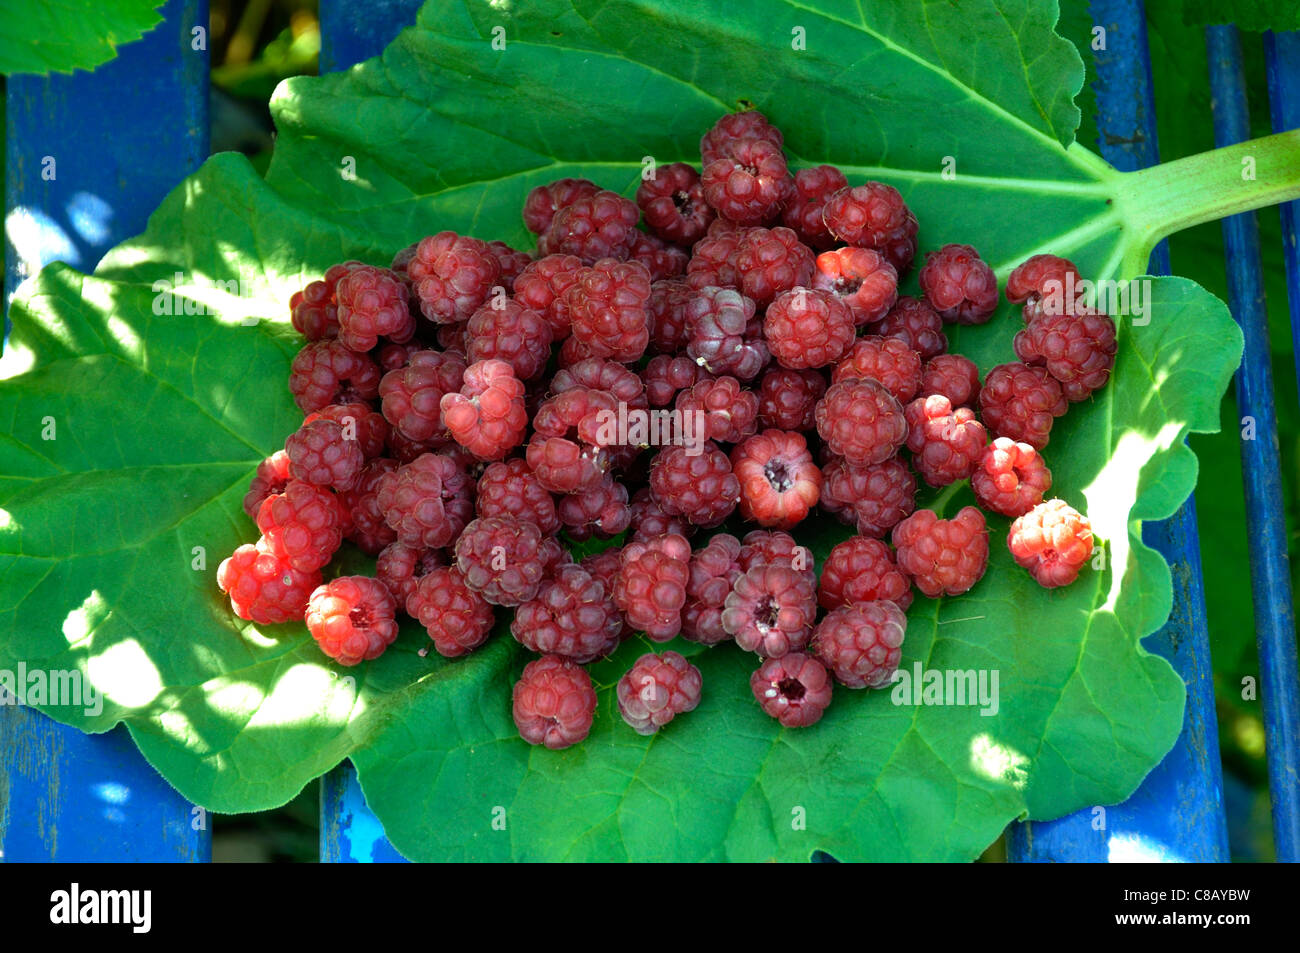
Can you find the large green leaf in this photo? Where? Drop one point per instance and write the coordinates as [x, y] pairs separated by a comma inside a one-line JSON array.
[[161, 420], [59, 36]]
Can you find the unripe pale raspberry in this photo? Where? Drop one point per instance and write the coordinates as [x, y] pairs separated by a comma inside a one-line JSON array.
[[1010, 478], [351, 619], [861, 644], [779, 483], [862, 569], [1053, 541], [456, 617], [860, 277], [943, 557], [263, 587], [656, 689], [553, 702], [861, 421], [771, 610], [794, 689]]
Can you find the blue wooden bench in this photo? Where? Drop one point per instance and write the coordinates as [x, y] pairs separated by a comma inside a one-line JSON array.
[[69, 796]]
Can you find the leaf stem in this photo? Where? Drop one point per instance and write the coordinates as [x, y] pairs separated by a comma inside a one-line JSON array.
[[1172, 196]]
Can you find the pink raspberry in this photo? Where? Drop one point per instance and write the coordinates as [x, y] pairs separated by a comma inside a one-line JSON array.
[[871, 498], [487, 416], [747, 184], [714, 569], [730, 414], [860, 277], [1010, 478], [263, 587], [501, 559], [609, 377], [1077, 348], [572, 615], [672, 201], [862, 569], [946, 443], [608, 308], [326, 372], [943, 557], [510, 333], [650, 586], [452, 276], [303, 525], [762, 547], [456, 617], [553, 703], [1040, 276], [656, 689], [360, 423], [598, 226], [427, 501], [770, 262], [390, 356], [734, 128], [794, 689], [600, 510], [779, 483], [1021, 402], [803, 213], [713, 261], [722, 339], [649, 518], [372, 303], [917, 325], [700, 487], [401, 567], [271, 478], [314, 309], [862, 644], [545, 200], [886, 360], [953, 376], [771, 610], [1053, 541], [351, 619], [412, 395], [510, 489], [959, 285], [320, 454], [541, 286], [787, 399], [564, 452], [874, 216], [861, 421], [805, 328], [369, 530], [665, 375]]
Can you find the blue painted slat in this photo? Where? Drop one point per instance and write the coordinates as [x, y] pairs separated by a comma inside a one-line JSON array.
[[1282, 51], [120, 138], [349, 831], [1270, 573]]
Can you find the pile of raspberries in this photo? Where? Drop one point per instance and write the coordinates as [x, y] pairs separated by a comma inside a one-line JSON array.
[[454, 404]]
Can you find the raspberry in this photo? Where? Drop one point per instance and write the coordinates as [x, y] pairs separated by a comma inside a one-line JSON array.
[[665, 375], [762, 547], [510, 489], [886, 360], [599, 510], [564, 453], [861, 421], [607, 376], [713, 261], [860, 277], [871, 498], [314, 310], [770, 261], [661, 260], [427, 501], [456, 617], [779, 483], [794, 689], [748, 183], [672, 201], [943, 557], [326, 372], [1020, 402], [719, 321], [1053, 541], [730, 414], [452, 337], [271, 478], [946, 444], [541, 286], [501, 559], [511, 260], [412, 395], [714, 569], [608, 308], [598, 226], [360, 423], [403, 449], [874, 216], [805, 328], [862, 569], [452, 276], [303, 525], [545, 200], [700, 487], [391, 356], [373, 303], [351, 619], [649, 519], [734, 128], [1036, 277], [487, 416], [803, 213], [1077, 348], [787, 399], [656, 689], [510, 333], [320, 454], [553, 703], [771, 610], [959, 285], [263, 587], [666, 315], [650, 586], [401, 567], [572, 616], [861, 644], [369, 530], [1010, 478], [953, 376], [917, 325]]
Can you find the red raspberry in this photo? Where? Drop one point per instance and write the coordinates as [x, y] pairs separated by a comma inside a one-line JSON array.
[[401, 567], [263, 587], [713, 261], [360, 423], [1037, 276], [351, 619], [403, 449], [326, 372], [666, 315], [665, 375], [510, 333], [943, 557], [787, 399], [719, 322], [608, 308], [314, 310], [553, 703], [599, 510], [511, 260], [672, 201], [452, 276], [771, 610], [607, 376], [487, 416], [1010, 478], [545, 200], [650, 586], [604, 565], [541, 286], [656, 689], [572, 616], [917, 325], [509, 489], [501, 559], [860, 277], [699, 486], [871, 498], [320, 454], [564, 453], [412, 395], [452, 337], [391, 356], [1053, 541], [875, 216], [812, 187], [779, 483], [730, 414], [1077, 348], [456, 617], [861, 421], [733, 128], [271, 478], [946, 444], [714, 569], [959, 285], [1020, 402], [369, 530], [794, 689], [427, 501], [806, 328], [770, 261], [373, 303], [747, 184], [649, 518], [762, 547], [953, 376], [598, 226], [862, 644], [303, 525], [862, 569], [661, 260], [886, 360]]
